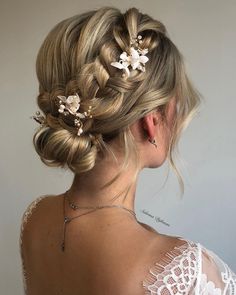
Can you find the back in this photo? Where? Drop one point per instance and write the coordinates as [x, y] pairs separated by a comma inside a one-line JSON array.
[[98, 259], [116, 259]]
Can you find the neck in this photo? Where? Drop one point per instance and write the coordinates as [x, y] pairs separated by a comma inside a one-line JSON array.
[[87, 189]]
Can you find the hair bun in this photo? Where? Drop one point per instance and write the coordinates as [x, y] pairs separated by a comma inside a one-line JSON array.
[[76, 58], [62, 148]]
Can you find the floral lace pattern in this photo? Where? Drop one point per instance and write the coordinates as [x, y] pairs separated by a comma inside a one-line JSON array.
[[208, 287], [229, 278], [224, 276], [175, 273], [190, 269]]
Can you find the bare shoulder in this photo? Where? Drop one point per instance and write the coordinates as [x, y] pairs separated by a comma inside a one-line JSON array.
[[36, 220], [163, 240], [148, 227], [34, 210], [168, 243], [31, 208]]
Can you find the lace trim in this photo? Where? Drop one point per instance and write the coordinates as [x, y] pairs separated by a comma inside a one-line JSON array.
[[175, 273], [24, 219], [208, 287], [228, 277]]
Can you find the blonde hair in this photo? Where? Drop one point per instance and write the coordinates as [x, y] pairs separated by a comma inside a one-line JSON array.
[[76, 57]]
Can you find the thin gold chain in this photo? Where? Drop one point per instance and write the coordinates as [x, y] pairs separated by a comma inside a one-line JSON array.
[[76, 207], [67, 219]]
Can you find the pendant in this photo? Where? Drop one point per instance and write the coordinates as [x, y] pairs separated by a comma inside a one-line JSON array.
[[66, 220], [74, 207]]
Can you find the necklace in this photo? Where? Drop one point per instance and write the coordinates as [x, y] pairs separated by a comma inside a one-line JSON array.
[[67, 219]]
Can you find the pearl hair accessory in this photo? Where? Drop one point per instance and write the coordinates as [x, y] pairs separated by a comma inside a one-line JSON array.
[[38, 117], [136, 59], [70, 105]]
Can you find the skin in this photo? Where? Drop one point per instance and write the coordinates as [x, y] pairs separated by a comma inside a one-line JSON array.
[[85, 190], [107, 251]]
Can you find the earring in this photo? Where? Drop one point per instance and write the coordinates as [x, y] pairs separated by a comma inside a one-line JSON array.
[[153, 141]]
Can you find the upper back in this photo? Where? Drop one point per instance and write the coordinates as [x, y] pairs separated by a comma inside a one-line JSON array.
[[100, 260]]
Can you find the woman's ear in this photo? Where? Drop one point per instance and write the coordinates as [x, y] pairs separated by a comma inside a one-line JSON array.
[[149, 123]]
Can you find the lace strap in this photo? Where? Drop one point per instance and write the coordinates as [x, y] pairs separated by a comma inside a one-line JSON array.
[[216, 275], [176, 272], [198, 280]]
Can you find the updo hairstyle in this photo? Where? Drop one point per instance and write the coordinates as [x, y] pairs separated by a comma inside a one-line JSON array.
[[76, 57]]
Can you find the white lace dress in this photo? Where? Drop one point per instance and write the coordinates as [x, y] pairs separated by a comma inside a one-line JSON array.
[[190, 269], [187, 269]]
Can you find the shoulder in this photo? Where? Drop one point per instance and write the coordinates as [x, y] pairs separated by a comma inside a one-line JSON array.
[[31, 218], [24, 237], [33, 212], [148, 227], [34, 222], [30, 208]]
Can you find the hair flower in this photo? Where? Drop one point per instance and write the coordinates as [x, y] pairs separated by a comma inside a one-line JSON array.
[[136, 59], [70, 105]]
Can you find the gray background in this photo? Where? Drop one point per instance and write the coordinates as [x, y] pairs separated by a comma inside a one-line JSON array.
[[205, 33]]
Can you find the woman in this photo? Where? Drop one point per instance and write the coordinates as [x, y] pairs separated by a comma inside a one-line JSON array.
[[115, 97]]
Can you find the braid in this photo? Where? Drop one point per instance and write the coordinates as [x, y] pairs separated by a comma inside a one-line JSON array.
[[76, 57], [98, 84]]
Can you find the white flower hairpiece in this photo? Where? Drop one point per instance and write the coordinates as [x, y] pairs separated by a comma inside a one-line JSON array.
[[136, 59], [70, 105]]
